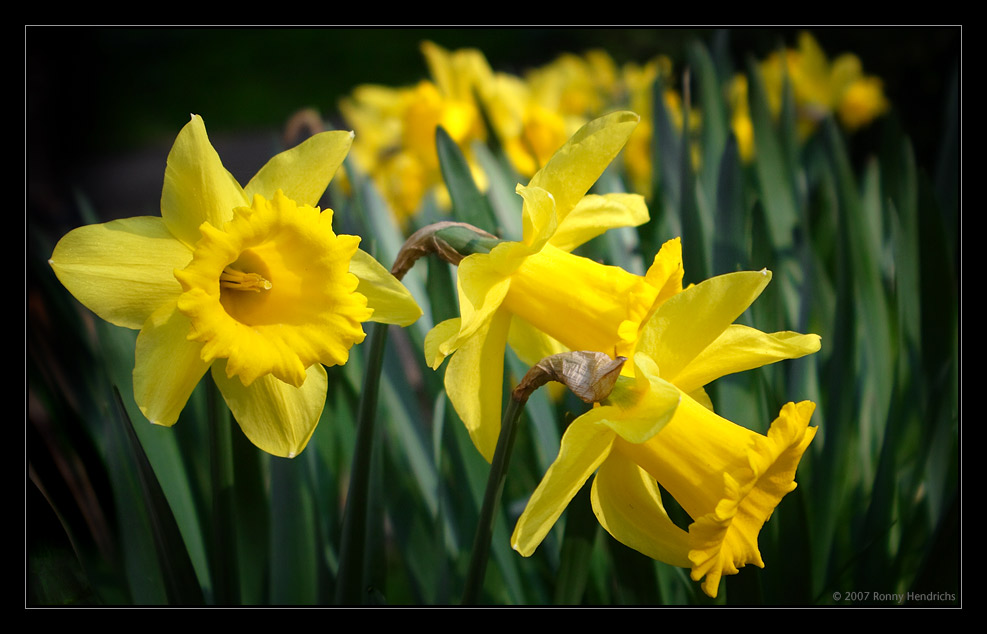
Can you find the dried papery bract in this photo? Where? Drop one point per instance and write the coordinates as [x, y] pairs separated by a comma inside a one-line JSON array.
[[589, 375]]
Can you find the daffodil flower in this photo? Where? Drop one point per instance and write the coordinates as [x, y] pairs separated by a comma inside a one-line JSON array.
[[396, 126], [821, 87], [248, 282], [659, 428], [537, 293]]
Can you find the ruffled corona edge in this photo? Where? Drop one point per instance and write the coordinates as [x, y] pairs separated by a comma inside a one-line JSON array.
[[725, 540]]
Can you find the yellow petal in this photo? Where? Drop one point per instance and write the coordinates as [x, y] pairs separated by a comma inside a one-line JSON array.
[[304, 171], [197, 188], [475, 382], [437, 338], [577, 165], [389, 299], [483, 280], [653, 409], [628, 505], [168, 366], [666, 271], [538, 219], [691, 320], [742, 348], [585, 445], [121, 270], [582, 304], [594, 215], [277, 417], [726, 477]]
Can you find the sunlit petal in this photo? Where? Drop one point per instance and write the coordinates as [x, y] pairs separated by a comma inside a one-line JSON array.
[[277, 417], [594, 215], [585, 445], [474, 382], [304, 171], [691, 320], [197, 188], [628, 505], [168, 366], [742, 348], [386, 296], [577, 165], [122, 270]]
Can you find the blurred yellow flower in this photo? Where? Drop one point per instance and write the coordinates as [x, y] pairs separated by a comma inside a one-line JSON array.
[[532, 117], [395, 127], [251, 283], [862, 101], [659, 429], [740, 117], [821, 87]]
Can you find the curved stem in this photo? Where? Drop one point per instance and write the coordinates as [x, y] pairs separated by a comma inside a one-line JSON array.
[[491, 498]]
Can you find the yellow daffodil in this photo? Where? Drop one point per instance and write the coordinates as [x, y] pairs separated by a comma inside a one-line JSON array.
[[821, 87], [396, 127], [540, 296], [534, 116], [659, 428], [250, 282]]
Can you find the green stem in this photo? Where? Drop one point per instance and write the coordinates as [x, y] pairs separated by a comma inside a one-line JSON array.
[[491, 499], [224, 560], [349, 580]]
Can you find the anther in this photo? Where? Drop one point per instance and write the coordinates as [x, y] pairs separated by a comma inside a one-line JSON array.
[[240, 281]]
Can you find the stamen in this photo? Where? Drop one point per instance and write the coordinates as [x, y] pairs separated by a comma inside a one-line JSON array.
[[240, 281]]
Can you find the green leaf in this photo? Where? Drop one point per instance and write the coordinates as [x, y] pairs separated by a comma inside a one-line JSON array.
[[468, 203], [775, 180], [294, 550]]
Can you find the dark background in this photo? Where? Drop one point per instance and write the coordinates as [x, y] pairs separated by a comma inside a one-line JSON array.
[[103, 105]]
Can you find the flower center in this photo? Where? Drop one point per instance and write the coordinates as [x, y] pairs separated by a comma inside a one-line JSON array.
[[271, 291], [240, 281]]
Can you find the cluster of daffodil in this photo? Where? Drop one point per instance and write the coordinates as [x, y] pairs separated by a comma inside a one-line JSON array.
[[538, 297], [531, 116], [253, 284], [819, 88], [611, 257]]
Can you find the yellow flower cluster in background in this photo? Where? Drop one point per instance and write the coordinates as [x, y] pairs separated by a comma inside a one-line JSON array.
[[819, 88], [531, 116]]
